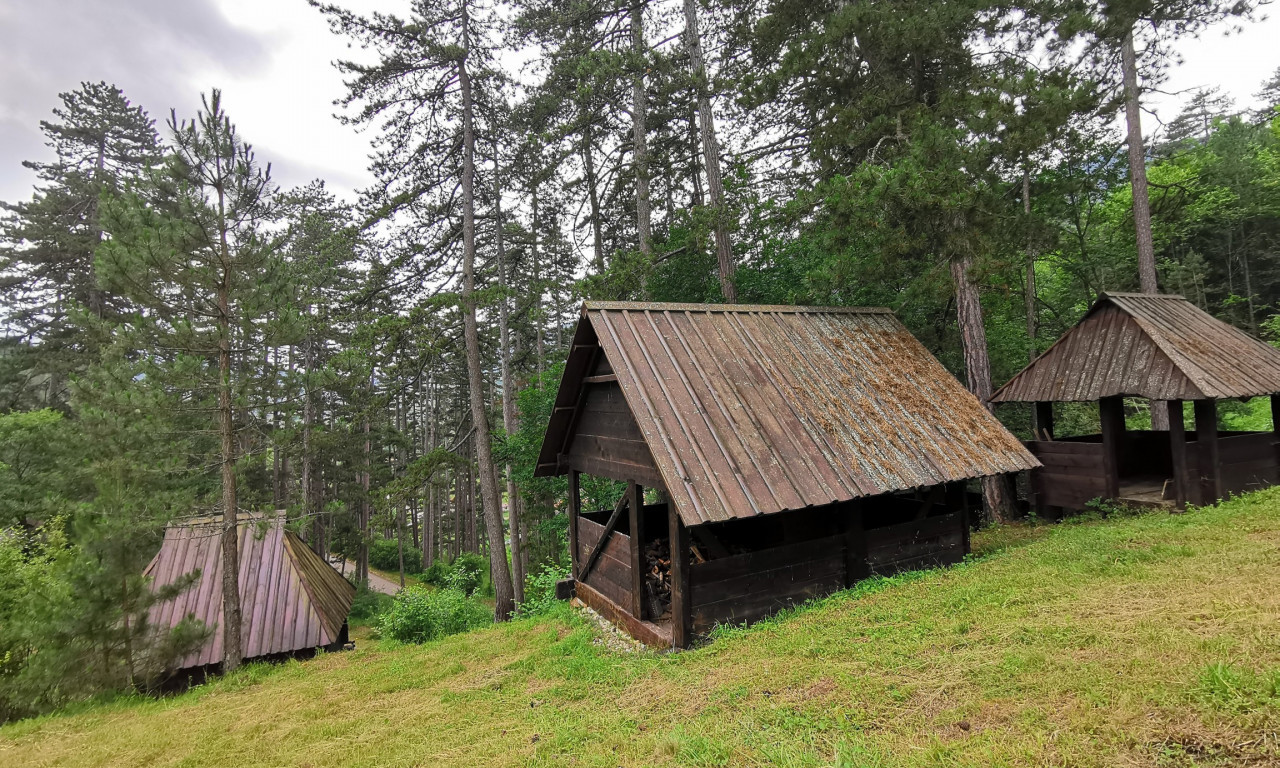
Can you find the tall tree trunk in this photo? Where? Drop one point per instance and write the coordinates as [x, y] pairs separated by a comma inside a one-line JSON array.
[[95, 294], [710, 153], [362, 561], [1147, 280], [593, 195], [538, 343], [639, 131], [231, 619], [973, 338], [1138, 169], [310, 507], [508, 383], [499, 573], [1029, 294]]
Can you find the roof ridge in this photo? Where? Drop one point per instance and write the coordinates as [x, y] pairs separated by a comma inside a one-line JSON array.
[[1139, 295], [696, 307]]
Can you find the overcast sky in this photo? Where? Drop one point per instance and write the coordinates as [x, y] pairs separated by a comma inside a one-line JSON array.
[[272, 59]]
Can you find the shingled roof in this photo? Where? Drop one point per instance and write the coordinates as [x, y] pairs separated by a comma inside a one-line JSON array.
[[290, 598], [1161, 347], [750, 410]]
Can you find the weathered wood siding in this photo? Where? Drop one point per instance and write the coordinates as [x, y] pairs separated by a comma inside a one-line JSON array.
[[607, 442], [611, 575], [1248, 463], [1073, 473], [917, 544], [743, 588]]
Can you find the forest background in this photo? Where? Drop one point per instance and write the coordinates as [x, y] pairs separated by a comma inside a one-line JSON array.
[[181, 337]]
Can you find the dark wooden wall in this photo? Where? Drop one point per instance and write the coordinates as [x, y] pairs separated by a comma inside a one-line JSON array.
[[824, 550], [1074, 473], [933, 541], [1248, 461], [611, 575], [605, 439]]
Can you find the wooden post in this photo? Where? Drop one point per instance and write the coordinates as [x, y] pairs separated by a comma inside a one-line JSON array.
[[575, 509], [1042, 424], [1178, 450], [1111, 413], [855, 545], [1207, 446], [635, 503], [681, 604], [1275, 430]]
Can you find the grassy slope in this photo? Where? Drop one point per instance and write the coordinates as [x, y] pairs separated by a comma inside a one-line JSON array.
[[1139, 641]]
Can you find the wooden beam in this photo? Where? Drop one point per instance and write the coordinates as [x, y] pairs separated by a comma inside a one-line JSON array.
[[575, 509], [1178, 450], [1207, 447], [609, 528], [646, 632], [635, 505], [1111, 414], [855, 545], [1275, 429], [681, 599], [604, 378]]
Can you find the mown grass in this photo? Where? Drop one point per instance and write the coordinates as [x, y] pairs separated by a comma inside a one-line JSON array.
[[1147, 640]]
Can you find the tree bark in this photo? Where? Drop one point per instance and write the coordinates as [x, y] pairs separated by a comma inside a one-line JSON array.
[[508, 383], [593, 196], [1138, 169], [499, 573], [710, 153], [639, 131], [231, 618], [1147, 278], [973, 338]]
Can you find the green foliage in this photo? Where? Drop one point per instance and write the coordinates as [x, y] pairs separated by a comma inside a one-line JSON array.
[[466, 573], [384, 554], [419, 615], [437, 573], [540, 590], [40, 472], [1239, 690], [368, 606]]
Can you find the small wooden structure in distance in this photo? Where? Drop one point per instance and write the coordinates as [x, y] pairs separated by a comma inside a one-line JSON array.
[[291, 601], [792, 451], [1165, 349]]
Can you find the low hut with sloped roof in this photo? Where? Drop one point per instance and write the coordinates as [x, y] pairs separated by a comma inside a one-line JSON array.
[[292, 602], [790, 451], [1169, 351]]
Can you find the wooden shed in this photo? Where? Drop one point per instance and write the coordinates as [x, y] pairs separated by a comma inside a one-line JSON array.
[[790, 451], [291, 600], [1167, 350]]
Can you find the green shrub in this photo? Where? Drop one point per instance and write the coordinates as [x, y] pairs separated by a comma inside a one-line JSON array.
[[384, 554], [368, 605], [466, 573], [437, 573], [540, 590], [419, 615]]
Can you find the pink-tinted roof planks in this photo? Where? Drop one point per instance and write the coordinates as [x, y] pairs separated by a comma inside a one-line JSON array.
[[290, 598]]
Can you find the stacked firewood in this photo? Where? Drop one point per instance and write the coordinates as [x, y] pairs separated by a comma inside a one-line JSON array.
[[657, 578]]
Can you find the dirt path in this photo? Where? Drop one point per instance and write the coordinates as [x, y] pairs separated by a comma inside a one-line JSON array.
[[376, 582]]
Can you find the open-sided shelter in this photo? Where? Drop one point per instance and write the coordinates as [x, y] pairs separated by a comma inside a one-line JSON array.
[[1165, 349], [792, 451], [291, 600]]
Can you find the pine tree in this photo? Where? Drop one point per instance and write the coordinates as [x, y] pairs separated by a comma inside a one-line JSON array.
[[428, 90], [196, 260], [49, 291]]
